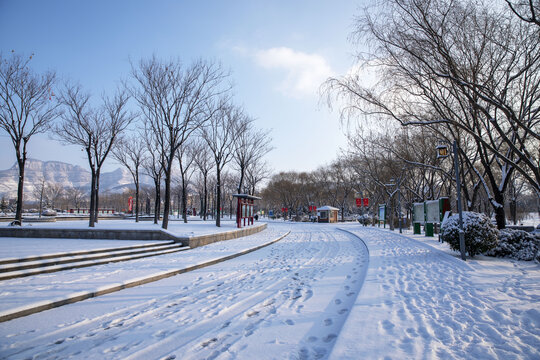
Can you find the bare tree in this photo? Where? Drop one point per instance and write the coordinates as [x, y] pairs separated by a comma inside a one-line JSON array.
[[95, 130], [27, 108], [39, 193], [256, 172], [250, 146], [220, 135], [203, 161], [76, 196], [130, 152], [175, 101], [153, 166], [458, 67], [52, 194], [526, 10], [186, 155]]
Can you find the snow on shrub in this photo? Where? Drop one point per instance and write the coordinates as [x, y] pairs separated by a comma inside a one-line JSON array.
[[516, 244], [480, 233], [365, 219]]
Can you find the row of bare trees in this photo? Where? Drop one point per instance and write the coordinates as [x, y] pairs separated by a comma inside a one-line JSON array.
[[461, 70], [386, 164], [183, 118]]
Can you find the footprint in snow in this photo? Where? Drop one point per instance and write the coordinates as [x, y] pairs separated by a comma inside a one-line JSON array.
[[337, 301], [208, 342], [388, 326], [342, 311], [289, 322], [308, 295], [328, 338], [252, 313], [328, 322]]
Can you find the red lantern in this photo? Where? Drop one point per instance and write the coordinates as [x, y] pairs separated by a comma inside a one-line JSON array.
[[366, 202], [358, 202]]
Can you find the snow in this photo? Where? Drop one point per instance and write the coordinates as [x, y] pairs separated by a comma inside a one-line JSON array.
[[320, 292], [177, 227]]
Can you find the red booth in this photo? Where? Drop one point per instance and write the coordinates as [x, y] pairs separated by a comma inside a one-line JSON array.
[[245, 209]]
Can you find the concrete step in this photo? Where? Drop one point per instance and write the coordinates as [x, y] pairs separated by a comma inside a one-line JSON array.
[[66, 259], [81, 264], [81, 252]]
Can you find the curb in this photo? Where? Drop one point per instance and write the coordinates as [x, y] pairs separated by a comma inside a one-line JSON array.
[[46, 305], [56, 268], [125, 234]]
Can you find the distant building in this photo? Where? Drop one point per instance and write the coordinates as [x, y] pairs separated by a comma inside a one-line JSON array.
[[327, 214]]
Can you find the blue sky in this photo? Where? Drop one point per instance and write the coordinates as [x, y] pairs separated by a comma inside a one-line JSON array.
[[278, 53]]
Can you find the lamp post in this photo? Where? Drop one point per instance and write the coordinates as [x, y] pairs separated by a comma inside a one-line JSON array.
[[442, 153], [391, 200], [398, 191]]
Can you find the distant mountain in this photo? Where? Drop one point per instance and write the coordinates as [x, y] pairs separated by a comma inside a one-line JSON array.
[[69, 176]]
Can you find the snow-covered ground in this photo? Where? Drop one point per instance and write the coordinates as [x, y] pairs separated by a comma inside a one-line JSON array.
[[318, 293], [195, 225]]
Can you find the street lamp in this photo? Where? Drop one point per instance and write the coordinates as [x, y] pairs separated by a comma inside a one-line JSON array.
[[442, 152], [398, 190]]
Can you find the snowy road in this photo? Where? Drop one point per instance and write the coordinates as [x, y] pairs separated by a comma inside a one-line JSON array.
[[318, 293], [287, 300]]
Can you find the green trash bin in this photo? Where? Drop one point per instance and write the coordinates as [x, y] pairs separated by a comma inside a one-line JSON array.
[[429, 229], [417, 228]]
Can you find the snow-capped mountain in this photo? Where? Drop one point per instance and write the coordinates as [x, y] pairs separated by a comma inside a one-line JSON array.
[[68, 175]]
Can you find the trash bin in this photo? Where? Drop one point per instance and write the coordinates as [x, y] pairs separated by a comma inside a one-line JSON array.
[[429, 229]]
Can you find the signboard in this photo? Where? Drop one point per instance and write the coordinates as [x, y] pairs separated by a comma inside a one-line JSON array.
[[382, 212], [418, 213], [130, 203], [432, 212]]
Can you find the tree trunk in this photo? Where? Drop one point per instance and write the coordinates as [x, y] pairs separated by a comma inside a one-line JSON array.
[[218, 198], [157, 202], [184, 201], [392, 214], [241, 180], [92, 199], [500, 217], [167, 200], [96, 205], [137, 201], [41, 199], [21, 161], [205, 203]]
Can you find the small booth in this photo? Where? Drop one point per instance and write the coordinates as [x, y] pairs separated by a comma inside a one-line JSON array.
[[327, 214], [245, 209]]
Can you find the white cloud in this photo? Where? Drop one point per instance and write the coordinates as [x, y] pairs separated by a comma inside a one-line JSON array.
[[304, 73]]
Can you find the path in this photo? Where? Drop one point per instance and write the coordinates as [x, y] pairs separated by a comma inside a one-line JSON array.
[[420, 303]]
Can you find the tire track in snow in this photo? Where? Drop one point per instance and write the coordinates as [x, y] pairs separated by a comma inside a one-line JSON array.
[[290, 298]]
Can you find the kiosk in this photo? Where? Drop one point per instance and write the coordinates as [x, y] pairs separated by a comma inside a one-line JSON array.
[[245, 209]]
